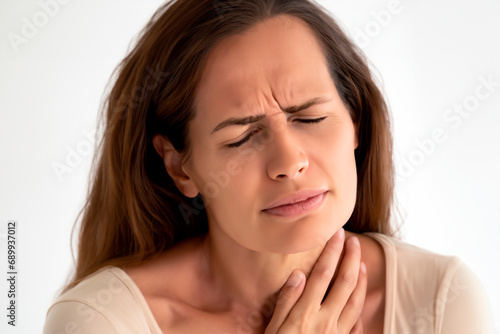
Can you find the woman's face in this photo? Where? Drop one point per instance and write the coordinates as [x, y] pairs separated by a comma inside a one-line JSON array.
[[271, 129]]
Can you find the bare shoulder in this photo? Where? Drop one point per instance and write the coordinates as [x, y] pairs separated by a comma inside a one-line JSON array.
[[171, 281], [160, 274]]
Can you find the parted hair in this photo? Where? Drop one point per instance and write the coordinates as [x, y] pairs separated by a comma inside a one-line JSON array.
[[133, 210]]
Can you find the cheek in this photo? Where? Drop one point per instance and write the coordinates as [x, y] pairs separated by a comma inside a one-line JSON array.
[[336, 149], [226, 182], [337, 161]]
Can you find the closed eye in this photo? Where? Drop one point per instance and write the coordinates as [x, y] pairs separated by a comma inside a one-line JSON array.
[[252, 133], [310, 121], [244, 140]]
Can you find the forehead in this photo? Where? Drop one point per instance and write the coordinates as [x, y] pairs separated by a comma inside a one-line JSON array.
[[279, 59]]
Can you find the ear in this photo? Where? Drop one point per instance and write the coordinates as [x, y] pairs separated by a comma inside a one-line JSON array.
[[356, 135], [174, 165]]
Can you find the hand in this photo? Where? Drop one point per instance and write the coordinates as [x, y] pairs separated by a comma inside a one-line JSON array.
[[299, 308]]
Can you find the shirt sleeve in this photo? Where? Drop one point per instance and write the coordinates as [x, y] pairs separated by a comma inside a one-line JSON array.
[[462, 304], [74, 317]]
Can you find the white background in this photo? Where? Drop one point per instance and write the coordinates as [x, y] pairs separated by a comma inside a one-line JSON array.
[[429, 55]]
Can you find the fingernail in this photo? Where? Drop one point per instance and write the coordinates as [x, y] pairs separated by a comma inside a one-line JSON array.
[[295, 279], [363, 267], [341, 233], [356, 241]]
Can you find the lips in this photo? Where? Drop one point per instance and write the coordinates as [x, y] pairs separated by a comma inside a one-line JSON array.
[[297, 204]]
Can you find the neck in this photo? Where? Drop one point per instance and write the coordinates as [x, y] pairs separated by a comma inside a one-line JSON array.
[[251, 279]]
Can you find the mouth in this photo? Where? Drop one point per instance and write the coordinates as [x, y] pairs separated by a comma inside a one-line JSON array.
[[297, 204]]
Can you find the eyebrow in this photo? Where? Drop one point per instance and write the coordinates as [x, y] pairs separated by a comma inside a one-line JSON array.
[[256, 118]]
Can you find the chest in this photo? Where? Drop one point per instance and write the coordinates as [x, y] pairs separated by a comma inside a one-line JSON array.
[[185, 319], [175, 317]]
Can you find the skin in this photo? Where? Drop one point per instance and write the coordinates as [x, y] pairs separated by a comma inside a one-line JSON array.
[[229, 279]]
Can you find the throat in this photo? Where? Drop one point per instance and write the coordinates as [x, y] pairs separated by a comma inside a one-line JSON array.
[[251, 280]]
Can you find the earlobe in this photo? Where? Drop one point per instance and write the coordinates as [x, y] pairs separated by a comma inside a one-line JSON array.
[[173, 163], [356, 135]]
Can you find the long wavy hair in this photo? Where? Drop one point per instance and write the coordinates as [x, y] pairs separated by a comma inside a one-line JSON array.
[[133, 210]]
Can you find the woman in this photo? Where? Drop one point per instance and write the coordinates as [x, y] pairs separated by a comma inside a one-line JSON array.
[[241, 139]]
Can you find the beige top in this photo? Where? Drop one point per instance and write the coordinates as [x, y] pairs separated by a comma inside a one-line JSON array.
[[425, 293]]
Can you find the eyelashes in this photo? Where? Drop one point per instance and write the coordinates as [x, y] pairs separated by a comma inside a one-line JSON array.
[[310, 121], [244, 140], [255, 131]]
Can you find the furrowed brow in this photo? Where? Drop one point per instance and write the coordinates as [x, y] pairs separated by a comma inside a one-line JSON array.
[[307, 104], [253, 119], [238, 121]]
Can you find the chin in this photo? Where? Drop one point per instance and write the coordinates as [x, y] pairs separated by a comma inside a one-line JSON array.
[[306, 234], [323, 227]]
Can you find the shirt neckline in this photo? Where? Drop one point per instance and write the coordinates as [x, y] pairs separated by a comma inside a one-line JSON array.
[[390, 285], [139, 297]]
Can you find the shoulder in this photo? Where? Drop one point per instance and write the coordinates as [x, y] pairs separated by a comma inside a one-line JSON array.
[[413, 263], [103, 302], [178, 266], [410, 263], [171, 282], [462, 303], [430, 292]]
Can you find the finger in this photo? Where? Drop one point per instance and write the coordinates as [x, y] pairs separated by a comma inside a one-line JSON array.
[[287, 298], [354, 305], [322, 273], [346, 279]]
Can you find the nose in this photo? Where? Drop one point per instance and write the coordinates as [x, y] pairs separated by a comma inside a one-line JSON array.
[[287, 159]]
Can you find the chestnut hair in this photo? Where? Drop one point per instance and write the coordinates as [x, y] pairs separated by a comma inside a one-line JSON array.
[[133, 210]]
